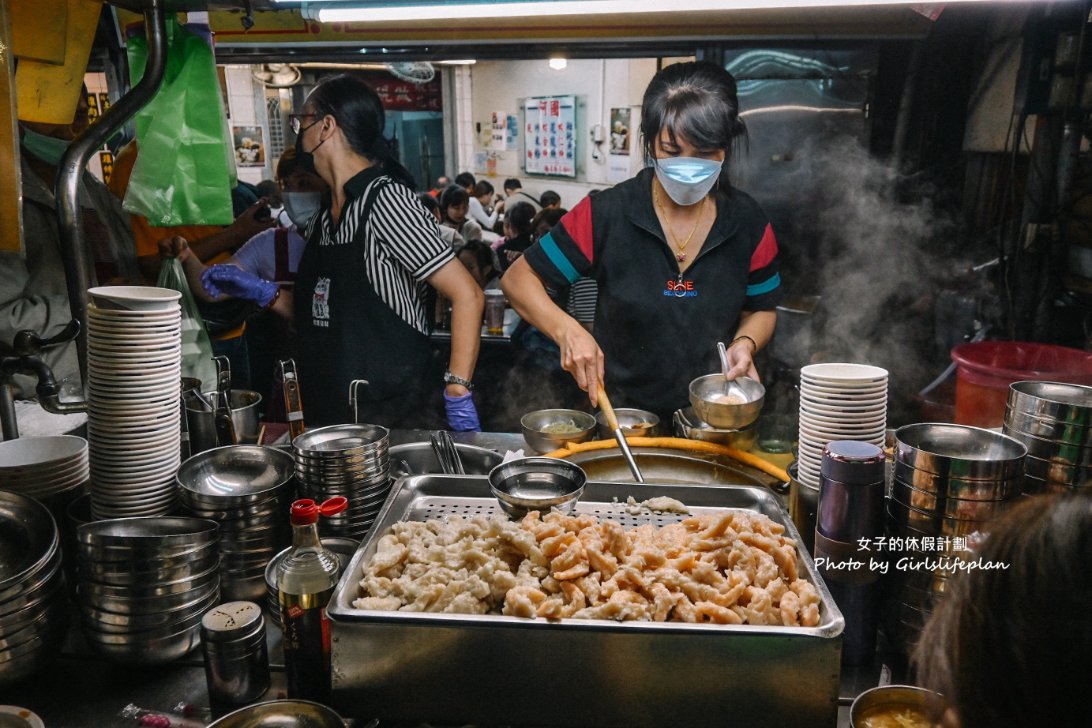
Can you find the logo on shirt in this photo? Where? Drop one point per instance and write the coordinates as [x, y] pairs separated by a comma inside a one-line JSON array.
[[320, 303], [679, 288]]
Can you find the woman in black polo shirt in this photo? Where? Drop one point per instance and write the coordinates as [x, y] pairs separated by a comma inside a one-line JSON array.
[[359, 296], [682, 259]]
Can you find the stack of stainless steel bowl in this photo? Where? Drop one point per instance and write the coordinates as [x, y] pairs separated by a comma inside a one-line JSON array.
[[33, 606], [1054, 421], [144, 584], [346, 460], [949, 481], [248, 490]]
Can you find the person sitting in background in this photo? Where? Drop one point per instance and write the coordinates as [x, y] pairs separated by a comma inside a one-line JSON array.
[[550, 200], [454, 205], [518, 227], [467, 181], [481, 199], [33, 289], [1012, 646], [478, 259], [441, 184], [449, 235], [513, 193]]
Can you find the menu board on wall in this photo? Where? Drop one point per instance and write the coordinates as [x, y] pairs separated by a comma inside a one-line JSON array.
[[549, 128]]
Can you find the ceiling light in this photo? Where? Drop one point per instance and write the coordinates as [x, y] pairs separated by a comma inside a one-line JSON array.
[[558, 64], [465, 62], [377, 11]]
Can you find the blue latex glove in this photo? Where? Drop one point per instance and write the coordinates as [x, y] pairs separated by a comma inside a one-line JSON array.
[[231, 280], [462, 416]]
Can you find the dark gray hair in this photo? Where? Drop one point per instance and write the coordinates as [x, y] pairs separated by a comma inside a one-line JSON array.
[[698, 102]]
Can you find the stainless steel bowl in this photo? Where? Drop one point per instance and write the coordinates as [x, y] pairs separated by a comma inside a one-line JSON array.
[[28, 538], [1070, 403], [943, 486], [689, 425], [930, 704], [536, 484], [281, 714], [962, 451], [227, 477], [341, 440], [634, 423], [727, 405], [1063, 433], [157, 534], [147, 651], [421, 459], [534, 424]]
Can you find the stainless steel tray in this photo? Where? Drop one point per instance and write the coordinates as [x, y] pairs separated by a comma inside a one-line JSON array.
[[492, 669]]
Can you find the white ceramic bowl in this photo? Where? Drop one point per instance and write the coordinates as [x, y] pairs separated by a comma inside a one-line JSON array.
[[134, 298]]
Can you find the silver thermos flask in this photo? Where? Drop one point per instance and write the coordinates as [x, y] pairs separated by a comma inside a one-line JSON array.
[[850, 518]]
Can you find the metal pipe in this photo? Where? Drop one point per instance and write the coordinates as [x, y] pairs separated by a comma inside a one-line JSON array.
[[70, 170], [9, 421]]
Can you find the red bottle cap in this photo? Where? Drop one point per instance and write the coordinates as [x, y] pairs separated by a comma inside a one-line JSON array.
[[305, 511]]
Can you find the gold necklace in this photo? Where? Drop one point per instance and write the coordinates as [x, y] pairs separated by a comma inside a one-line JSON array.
[[680, 255]]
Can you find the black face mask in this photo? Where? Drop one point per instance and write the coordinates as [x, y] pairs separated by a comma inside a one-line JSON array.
[[306, 158]]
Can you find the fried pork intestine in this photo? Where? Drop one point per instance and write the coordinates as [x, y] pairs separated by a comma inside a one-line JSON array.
[[730, 568]]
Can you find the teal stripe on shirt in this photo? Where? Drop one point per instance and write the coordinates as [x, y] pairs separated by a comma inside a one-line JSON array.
[[549, 247], [757, 289]]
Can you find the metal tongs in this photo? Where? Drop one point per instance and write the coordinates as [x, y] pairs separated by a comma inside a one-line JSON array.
[[446, 453], [354, 398], [293, 400], [731, 386], [612, 423], [225, 426]]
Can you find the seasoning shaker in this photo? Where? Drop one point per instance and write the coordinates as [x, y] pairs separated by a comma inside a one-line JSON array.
[[236, 656], [850, 517]]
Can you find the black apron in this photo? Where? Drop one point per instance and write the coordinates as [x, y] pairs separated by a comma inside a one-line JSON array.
[[346, 332]]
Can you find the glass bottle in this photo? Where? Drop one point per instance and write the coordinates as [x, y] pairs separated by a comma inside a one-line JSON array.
[[305, 581]]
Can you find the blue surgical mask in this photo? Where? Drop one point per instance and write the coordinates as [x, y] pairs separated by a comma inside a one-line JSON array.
[[687, 179], [302, 206], [46, 148]]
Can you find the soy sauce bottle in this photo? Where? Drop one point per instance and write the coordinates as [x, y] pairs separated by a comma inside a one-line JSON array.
[[305, 581]]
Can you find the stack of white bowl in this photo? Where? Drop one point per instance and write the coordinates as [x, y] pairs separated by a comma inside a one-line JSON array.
[[345, 460], [838, 402], [145, 583], [50, 469], [134, 353], [33, 607]]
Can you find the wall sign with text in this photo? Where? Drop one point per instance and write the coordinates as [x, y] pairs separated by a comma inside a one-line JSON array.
[[549, 129]]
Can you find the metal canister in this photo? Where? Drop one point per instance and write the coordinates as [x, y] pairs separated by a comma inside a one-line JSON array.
[[849, 519], [236, 657]]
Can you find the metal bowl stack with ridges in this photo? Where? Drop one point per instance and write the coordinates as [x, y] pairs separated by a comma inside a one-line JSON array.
[[1054, 421], [948, 482], [145, 583], [350, 461], [248, 490], [33, 606]]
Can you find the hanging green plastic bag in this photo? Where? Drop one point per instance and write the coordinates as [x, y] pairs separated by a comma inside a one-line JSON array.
[[185, 169], [196, 345]]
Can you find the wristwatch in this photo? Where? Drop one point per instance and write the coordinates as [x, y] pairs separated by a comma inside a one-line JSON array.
[[450, 378]]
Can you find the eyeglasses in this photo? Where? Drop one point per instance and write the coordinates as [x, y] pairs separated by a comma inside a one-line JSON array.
[[295, 122]]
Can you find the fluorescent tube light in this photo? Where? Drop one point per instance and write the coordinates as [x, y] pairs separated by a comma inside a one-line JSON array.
[[349, 11]]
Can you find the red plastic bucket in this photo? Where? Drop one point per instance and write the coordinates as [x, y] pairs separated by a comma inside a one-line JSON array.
[[985, 369]]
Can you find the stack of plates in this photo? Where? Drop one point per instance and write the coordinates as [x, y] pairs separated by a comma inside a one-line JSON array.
[[838, 402], [346, 460], [133, 422], [145, 583], [1054, 421], [33, 607], [46, 468], [949, 482], [248, 489]]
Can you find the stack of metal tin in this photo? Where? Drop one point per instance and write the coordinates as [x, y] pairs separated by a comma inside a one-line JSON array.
[[350, 461], [949, 482], [1054, 421]]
